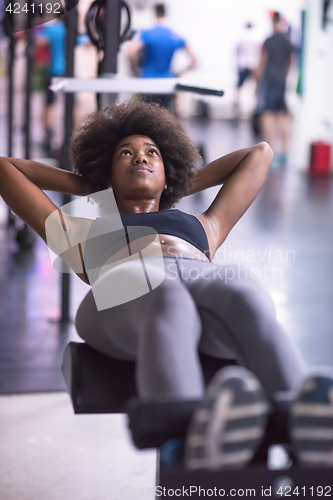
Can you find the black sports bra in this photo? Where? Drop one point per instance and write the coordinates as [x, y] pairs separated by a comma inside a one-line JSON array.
[[173, 222]]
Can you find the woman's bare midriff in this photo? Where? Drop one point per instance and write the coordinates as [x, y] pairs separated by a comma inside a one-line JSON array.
[[171, 246], [151, 246]]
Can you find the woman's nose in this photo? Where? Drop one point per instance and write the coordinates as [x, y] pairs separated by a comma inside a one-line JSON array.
[[140, 158]]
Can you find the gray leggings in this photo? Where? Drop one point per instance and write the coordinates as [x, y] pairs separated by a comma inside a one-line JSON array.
[[198, 307]]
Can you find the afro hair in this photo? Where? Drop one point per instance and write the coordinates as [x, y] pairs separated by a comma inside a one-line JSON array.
[[92, 146]]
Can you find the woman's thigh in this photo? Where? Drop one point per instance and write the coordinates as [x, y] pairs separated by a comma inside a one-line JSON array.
[[239, 322], [118, 331], [242, 309]]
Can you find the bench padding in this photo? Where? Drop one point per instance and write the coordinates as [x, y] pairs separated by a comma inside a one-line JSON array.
[[100, 384], [96, 382]]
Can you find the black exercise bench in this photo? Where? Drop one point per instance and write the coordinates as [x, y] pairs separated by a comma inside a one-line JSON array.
[[100, 384]]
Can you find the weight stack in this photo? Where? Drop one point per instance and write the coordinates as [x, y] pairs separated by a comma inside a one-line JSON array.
[[320, 158]]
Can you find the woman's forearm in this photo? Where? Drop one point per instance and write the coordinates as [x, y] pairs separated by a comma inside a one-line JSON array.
[[218, 171], [49, 178]]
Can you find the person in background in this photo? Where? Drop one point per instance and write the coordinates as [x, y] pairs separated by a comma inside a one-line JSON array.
[[247, 58], [52, 35], [151, 52], [272, 75]]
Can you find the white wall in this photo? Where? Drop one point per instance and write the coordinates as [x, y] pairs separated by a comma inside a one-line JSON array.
[[314, 120]]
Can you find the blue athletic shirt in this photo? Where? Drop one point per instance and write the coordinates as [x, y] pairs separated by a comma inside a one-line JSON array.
[[160, 44], [56, 35]]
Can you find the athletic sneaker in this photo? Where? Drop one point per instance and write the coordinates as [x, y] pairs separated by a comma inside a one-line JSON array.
[[311, 422], [229, 423]]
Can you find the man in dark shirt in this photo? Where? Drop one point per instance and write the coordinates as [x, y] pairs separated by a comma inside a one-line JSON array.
[[272, 74]]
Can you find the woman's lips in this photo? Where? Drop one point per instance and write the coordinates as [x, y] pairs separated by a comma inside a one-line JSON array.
[[141, 168]]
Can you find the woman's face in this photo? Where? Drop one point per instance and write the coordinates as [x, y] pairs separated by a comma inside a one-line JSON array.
[[137, 168]]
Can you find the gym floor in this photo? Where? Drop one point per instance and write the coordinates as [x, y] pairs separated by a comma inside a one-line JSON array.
[[285, 240]]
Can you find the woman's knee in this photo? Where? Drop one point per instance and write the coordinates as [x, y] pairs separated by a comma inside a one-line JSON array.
[[255, 297], [110, 333], [237, 301], [244, 289]]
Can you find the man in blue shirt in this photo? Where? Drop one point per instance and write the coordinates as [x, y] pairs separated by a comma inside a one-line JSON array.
[[53, 34], [151, 52]]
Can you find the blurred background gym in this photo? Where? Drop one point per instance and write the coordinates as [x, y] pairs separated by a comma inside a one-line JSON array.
[[284, 240]]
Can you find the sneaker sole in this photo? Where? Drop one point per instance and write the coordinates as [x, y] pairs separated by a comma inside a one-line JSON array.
[[229, 423], [311, 422]]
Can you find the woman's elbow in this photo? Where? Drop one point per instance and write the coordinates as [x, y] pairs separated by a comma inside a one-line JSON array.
[[264, 147]]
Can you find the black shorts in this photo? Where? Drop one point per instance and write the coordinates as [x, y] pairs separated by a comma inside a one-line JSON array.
[[271, 95], [50, 97]]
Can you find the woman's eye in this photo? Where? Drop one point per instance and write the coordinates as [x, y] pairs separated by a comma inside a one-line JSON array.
[[153, 151], [126, 151]]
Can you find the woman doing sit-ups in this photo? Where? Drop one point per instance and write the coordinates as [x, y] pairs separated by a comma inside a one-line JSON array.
[[140, 154]]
